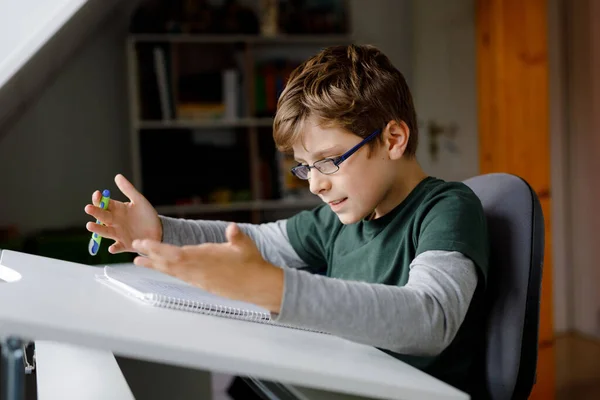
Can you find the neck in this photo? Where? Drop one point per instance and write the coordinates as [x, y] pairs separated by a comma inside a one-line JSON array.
[[410, 176]]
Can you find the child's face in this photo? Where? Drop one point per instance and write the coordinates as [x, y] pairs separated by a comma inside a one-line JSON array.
[[362, 181]]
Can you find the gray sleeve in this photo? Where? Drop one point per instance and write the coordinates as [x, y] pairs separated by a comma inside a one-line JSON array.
[[420, 318], [270, 238]]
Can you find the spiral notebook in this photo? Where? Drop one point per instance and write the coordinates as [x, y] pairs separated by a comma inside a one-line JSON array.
[[159, 290]]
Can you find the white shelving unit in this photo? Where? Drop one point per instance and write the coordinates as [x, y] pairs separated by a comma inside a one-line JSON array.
[[252, 46]]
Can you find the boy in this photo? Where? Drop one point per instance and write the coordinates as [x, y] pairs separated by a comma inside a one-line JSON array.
[[402, 257]]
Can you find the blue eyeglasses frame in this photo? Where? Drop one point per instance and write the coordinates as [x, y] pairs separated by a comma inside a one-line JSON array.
[[297, 170]]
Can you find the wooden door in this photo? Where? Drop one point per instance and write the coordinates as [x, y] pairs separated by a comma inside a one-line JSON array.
[[514, 136]]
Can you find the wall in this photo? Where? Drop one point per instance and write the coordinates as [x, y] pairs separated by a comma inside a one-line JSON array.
[[445, 87], [71, 141], [387, 24], [433, 44], [575, 123], [583, 118]]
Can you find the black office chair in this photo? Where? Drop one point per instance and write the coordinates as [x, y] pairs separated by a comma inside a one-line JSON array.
[[516, 228]]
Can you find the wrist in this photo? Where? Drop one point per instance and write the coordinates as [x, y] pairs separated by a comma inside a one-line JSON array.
[[268, 287]]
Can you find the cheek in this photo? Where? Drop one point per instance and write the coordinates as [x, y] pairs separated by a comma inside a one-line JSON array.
[[364, 183]]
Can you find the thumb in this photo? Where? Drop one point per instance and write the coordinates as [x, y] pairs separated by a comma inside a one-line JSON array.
[[236, 237], [128, 189]]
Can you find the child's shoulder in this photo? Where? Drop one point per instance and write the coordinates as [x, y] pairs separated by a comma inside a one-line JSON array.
[[439, 186], [443, 201], [438, 190]]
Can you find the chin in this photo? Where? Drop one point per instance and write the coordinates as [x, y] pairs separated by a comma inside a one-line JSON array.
[[348, 219]]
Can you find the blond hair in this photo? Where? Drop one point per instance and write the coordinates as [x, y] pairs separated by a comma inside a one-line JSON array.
[[352, 87]]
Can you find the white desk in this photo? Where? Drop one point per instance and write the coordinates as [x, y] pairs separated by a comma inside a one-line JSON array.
[[62, 302]]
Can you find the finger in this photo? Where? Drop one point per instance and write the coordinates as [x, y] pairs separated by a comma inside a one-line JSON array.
[[106, 217], [146, 262], [235, 236], [102, 230], [116, 248], [96, 197], [128, 189], [143, 262], [232, 232], [157, 250]]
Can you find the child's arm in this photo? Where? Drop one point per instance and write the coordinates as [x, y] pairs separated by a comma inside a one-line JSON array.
[[420, 318], [270, 238]]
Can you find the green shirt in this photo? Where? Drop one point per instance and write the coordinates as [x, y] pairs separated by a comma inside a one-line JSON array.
[[436, 215]]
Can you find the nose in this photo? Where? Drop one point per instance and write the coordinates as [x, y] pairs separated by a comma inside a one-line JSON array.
[[318, 182]]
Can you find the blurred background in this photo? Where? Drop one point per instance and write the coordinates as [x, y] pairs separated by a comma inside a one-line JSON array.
[[179, 97]]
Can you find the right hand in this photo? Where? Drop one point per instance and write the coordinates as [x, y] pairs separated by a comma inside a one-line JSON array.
[[124, 222]]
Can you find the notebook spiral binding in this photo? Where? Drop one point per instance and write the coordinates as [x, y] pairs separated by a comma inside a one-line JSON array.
[[170, 302], [210, 309]]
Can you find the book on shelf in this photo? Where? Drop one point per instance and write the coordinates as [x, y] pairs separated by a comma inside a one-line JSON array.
[[174, 86], [270, 80], [163, 83], [210, 95]]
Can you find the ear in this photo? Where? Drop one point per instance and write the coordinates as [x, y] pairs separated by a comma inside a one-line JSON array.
[[396, 136]]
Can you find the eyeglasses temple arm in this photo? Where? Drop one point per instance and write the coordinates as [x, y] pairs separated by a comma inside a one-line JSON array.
[[358, 146]]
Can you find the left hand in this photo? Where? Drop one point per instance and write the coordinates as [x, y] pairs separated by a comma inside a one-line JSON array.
[[234, 269]]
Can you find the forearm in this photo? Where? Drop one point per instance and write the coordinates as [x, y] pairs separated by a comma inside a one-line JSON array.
[[270, 238], [182, 232], [420, 318]]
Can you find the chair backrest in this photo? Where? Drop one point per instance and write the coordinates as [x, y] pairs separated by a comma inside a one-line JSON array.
[[516, 229]]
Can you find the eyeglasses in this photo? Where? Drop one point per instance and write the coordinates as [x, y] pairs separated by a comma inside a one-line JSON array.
[[330, 166]]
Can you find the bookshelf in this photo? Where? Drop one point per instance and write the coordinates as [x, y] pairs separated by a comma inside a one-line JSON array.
[[247, 39], [201, 142], [215, 123]]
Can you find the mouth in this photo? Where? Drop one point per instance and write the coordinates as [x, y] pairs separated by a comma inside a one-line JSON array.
[[338, 202]]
